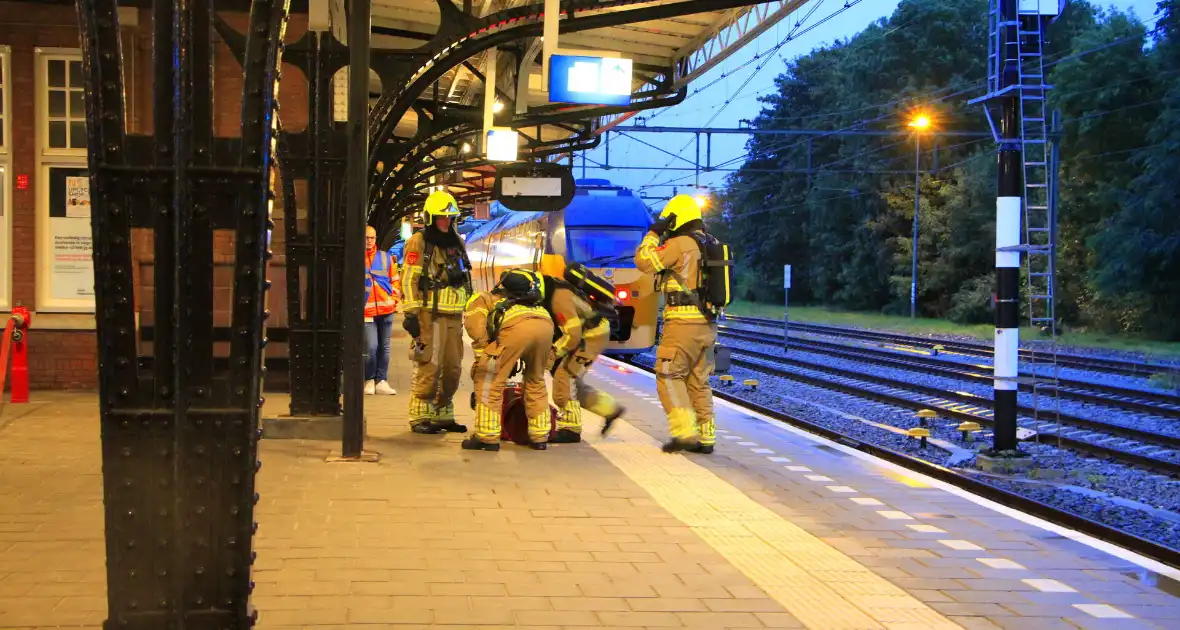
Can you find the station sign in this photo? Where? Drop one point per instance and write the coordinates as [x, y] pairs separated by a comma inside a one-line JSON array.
[[529, 187], [590, 80]]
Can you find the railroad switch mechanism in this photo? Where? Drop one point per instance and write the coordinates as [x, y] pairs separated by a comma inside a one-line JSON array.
[[967, 428], [921, 433]]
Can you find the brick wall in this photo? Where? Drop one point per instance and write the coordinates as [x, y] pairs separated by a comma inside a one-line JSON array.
[[67, 359]]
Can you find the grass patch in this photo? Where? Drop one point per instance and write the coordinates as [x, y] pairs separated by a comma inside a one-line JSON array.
[[925, 326]]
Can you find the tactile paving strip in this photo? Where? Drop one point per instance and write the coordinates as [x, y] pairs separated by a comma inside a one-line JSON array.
[[816, 583]]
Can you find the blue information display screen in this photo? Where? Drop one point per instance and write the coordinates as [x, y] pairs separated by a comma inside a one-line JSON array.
[[589, 80]]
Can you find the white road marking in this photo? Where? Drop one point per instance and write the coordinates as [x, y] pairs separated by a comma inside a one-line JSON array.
[[961, 545], [1102, 611], [1001, 563], [1049, 586]]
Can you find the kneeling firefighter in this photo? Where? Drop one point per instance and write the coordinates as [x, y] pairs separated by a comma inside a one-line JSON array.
[[517, 329], [692, 270], [436, 280], [579, 303]]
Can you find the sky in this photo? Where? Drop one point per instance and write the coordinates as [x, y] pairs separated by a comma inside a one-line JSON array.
[[700, 107]]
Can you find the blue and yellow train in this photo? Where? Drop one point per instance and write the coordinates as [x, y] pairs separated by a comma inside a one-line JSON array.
[[601, 228]]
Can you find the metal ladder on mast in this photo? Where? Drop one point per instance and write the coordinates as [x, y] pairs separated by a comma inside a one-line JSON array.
[[1039, 203], [1040, 220]]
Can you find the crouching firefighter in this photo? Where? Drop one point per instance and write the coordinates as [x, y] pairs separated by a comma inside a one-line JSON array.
[[580, 304], [692, 270], [517, 329], [436, 280]]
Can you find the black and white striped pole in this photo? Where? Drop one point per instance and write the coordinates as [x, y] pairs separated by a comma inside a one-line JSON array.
[[1009, 197]]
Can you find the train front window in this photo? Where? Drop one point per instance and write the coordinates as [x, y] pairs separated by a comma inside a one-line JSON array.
[[612, 247]]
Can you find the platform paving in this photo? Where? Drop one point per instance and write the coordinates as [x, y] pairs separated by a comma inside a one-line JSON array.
[[608, 534]]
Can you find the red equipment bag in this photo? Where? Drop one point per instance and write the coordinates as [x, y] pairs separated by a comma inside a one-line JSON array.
[[515, 421]]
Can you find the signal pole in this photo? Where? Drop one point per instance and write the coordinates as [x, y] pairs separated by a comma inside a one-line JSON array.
[[1009, 197]]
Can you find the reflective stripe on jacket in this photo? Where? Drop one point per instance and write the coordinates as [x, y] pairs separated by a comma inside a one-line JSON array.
[[679, 254], [451, 300], [380, 294]]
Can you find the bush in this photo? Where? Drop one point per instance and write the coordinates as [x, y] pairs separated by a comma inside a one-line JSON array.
[[972, 304]]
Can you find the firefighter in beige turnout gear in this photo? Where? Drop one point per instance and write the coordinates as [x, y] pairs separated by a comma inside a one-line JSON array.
[[582, 333], [684, 358], [436, 282], [516, 328]]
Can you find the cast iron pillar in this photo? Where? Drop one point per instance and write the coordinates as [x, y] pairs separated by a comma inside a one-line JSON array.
[[179, 431]]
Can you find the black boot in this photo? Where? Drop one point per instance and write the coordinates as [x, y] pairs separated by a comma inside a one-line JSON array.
[[675, 445], [426, 428], [474, 444], [538, 446], [450, 426], [610, 420], [566, 436], [703, 449]]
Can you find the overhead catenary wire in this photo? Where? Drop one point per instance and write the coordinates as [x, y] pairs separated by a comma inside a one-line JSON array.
[[978, 84]]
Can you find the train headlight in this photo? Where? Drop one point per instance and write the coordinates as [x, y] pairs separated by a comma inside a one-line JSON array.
[[621, 294]]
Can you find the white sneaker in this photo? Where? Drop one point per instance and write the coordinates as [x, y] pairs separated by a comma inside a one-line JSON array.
[[370, 388], [384, 388]]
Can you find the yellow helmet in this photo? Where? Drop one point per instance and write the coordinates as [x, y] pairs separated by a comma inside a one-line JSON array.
[[440, 203], [684, 207]]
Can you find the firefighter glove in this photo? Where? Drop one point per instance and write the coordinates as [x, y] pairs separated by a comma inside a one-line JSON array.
[[410, 325]]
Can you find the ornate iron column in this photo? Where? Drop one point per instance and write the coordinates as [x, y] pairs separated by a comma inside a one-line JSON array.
[[179, 431]]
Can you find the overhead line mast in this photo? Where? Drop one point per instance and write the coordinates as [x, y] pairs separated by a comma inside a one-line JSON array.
[[1016, 82]]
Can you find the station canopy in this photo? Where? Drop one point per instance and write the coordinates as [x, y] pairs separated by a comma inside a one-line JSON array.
[[692, 44]]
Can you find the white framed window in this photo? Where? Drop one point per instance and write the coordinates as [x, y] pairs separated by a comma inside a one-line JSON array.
[[65, 265], [62, 102], [5, 181]]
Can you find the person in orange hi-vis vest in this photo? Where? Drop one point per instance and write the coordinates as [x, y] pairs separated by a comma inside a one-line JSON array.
[[381, 296]]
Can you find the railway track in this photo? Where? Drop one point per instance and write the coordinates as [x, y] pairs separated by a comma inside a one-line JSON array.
[[1092, 364], [976, 485], [1082, 391], [1125, 444]]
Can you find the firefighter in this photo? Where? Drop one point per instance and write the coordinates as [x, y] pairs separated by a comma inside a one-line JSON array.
[[436, 280], [518, 329], [577, 302], [475, 322], [684, 358]]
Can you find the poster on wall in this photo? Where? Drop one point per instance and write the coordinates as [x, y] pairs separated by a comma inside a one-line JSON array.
[[71, 254]]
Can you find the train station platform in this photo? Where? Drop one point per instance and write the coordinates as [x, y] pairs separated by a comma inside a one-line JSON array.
[[777, 529]]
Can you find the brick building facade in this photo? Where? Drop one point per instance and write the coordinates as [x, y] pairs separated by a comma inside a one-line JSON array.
[[33, 37]]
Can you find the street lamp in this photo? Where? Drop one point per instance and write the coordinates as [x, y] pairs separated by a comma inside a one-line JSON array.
[[920, 123]]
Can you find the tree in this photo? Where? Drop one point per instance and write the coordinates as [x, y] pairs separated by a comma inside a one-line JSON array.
[[1137, 270]]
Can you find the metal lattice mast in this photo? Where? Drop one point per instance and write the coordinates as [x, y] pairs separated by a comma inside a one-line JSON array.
[[1024, 203]]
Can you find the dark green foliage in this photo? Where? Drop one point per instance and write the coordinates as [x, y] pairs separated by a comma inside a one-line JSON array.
[[846, 228]]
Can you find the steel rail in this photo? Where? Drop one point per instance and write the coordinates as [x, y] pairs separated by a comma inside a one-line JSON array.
[[1134, 459], [1082, 391], [1142, 546], [1114, 366]]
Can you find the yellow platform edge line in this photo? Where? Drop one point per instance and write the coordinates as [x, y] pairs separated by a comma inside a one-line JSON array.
[[821, 586]]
